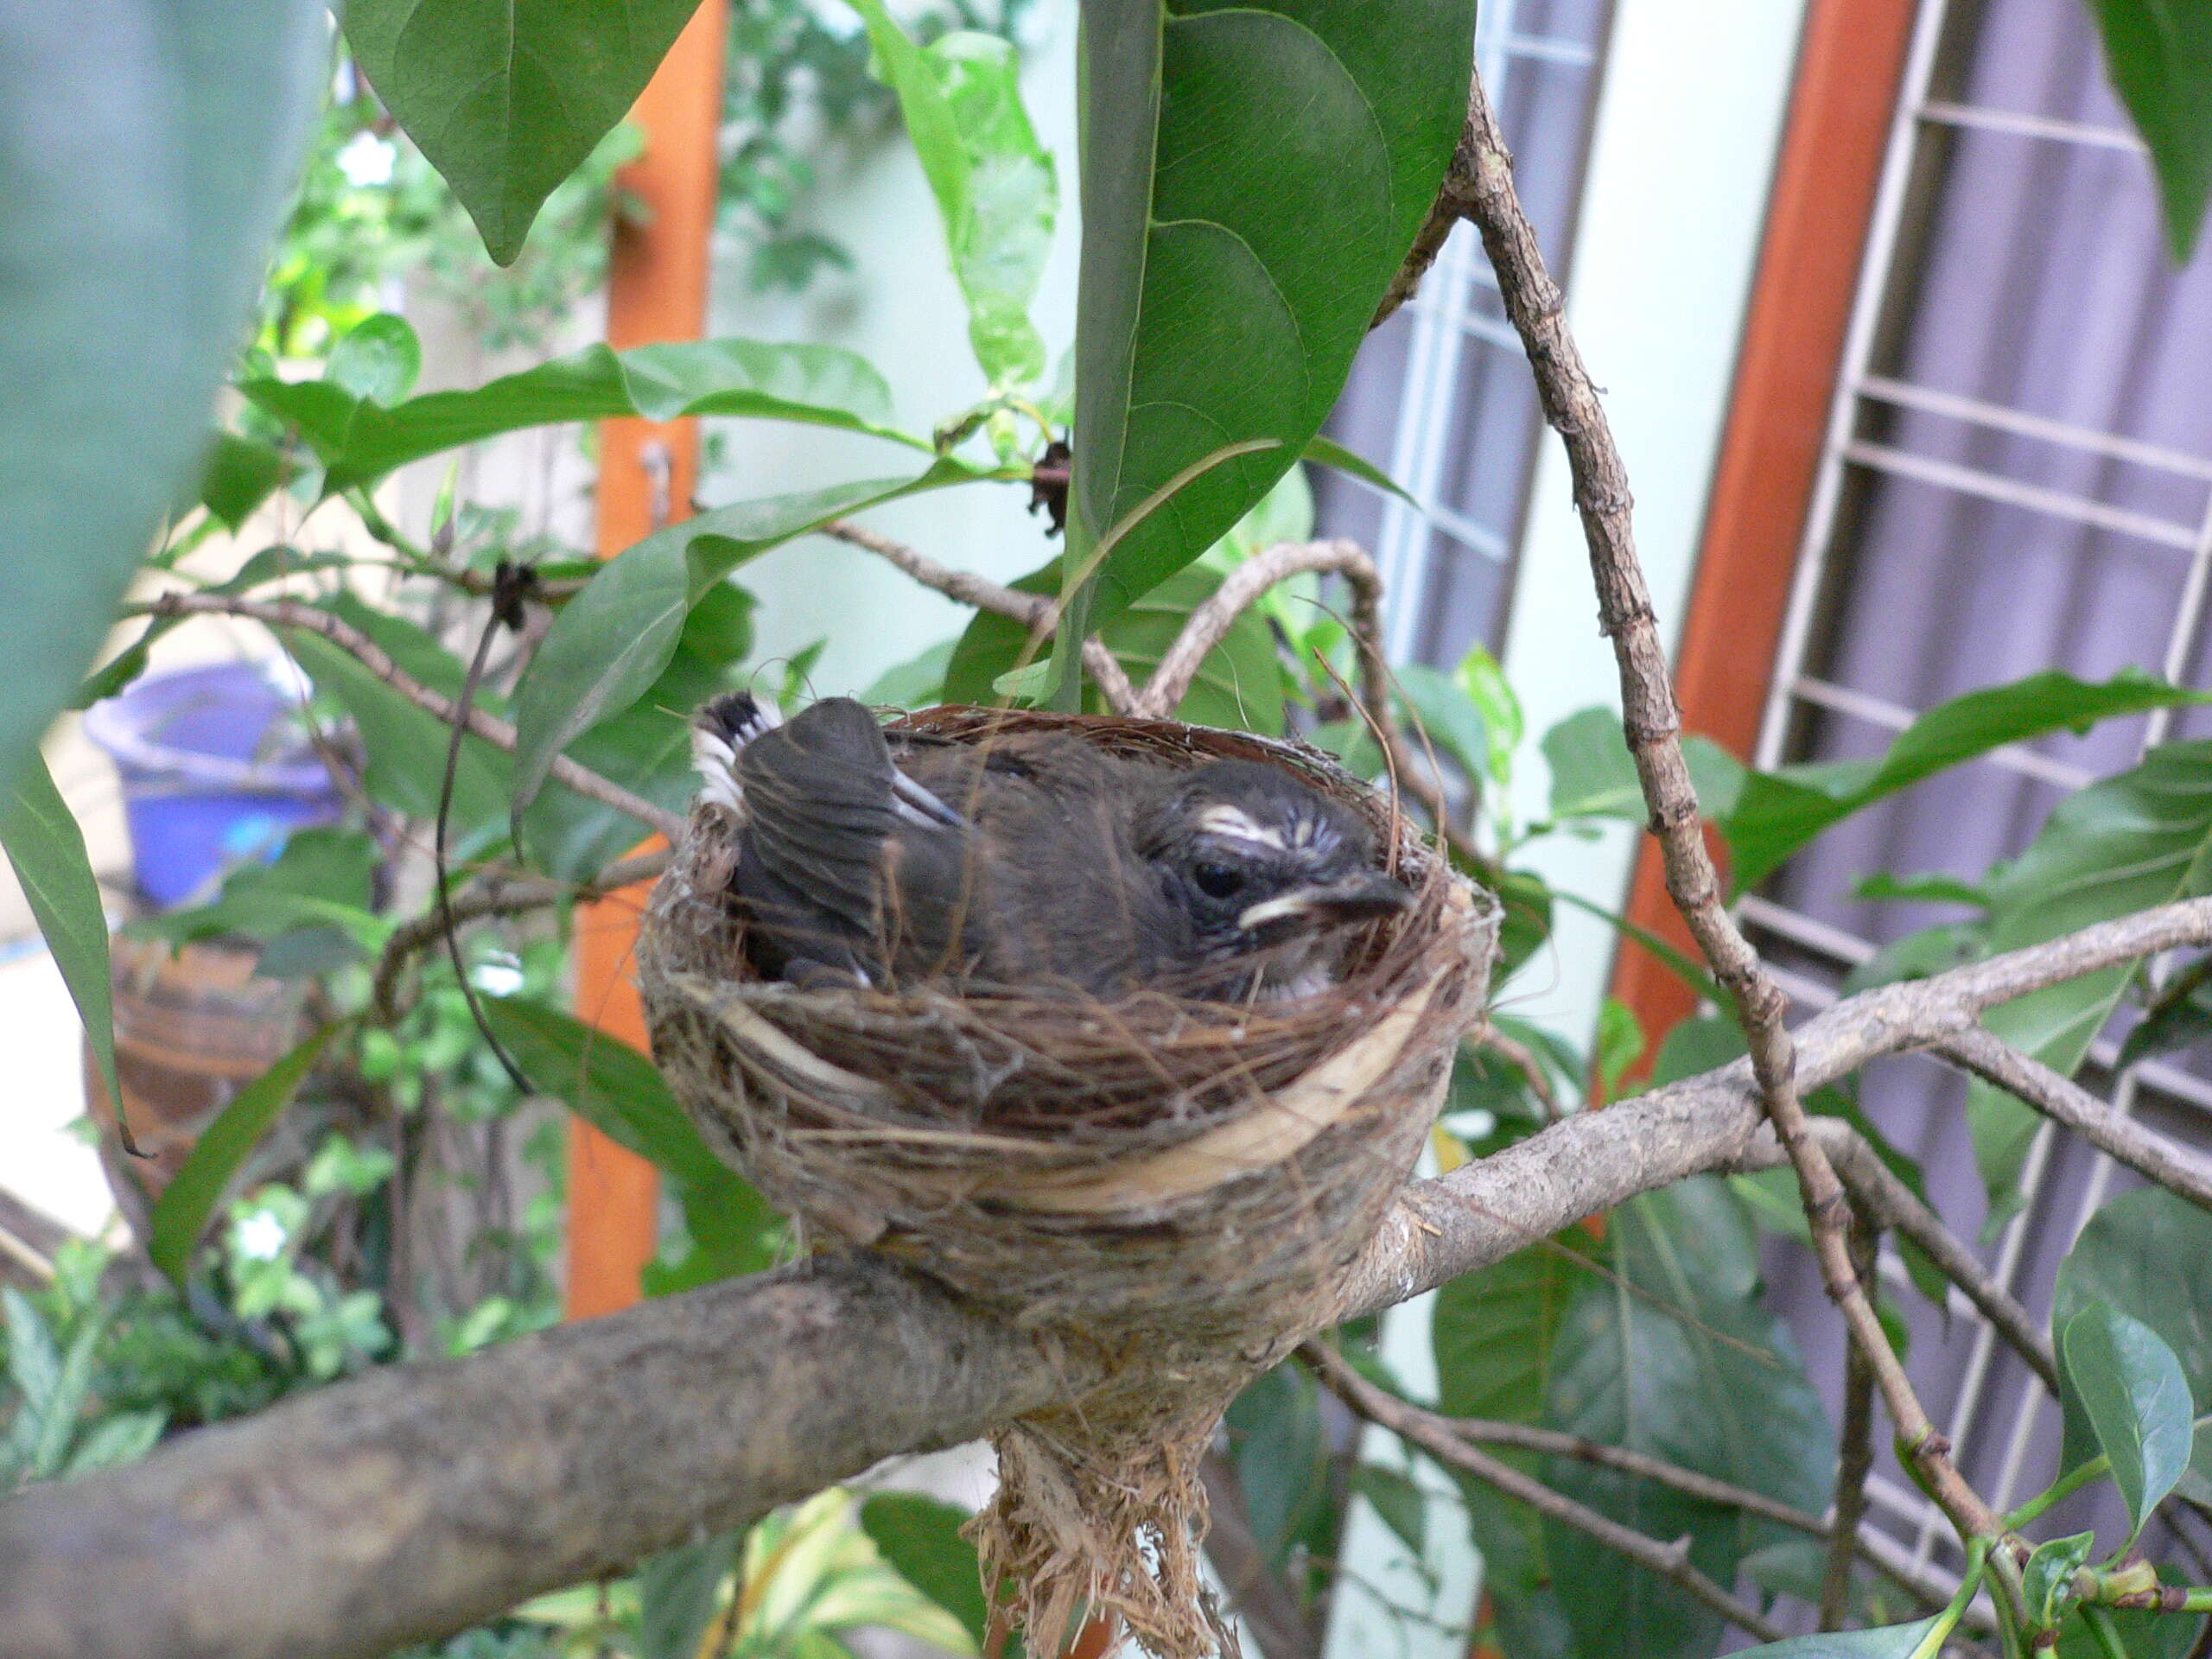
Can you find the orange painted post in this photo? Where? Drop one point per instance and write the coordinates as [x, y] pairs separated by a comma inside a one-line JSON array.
[[656, 290]]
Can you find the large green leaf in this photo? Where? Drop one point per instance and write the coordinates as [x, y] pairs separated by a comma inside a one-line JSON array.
[[1674, 1356], [1495, 1333], [679, 1592], [2160, 53], [2142, 838], [1891, 1642], [1593, 775], [615, 1088], [181, 1214], [612, 640], [995, 190], [1777, 812], [506, 100], [147, 154], [920, 1536], [2130, 1388], [2148, 1254], [360, 439], [1252, 177], [47, 850]]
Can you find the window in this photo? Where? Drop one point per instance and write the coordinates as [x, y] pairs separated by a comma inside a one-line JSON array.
[[2018, 476], [1440, 397]]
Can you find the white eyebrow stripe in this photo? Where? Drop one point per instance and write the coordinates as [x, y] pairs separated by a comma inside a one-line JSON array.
[[1233, 824]]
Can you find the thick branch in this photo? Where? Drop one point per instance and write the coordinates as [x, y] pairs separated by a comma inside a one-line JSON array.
[[418, 1500], [1653, 725], [1434, 1435], [1039, 613], [2064, 1101], [414, 1501], [287, 614]]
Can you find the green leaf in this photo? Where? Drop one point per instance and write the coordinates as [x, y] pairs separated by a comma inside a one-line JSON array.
[[2132, 1390], [507, 101], [2148, 1254], [612, 640], [914, 684], [46, 848], [1891, 1642], [1676, 1356], [2160, 55], [679, 1592], [181, 1214], [1445, 715], [1495, 1333], [1232, 258], [115, 1441], [920, 1536], [1402, 1504], [1237, 685], [2047, 1581], [2140, 839], [1324, 451], [1482, 679], [147, 159], [1779, 811], [359, 440], [376, 360], [1281, 1449], [238, 475], [996, 193], [613, 1088], [1593, 775]]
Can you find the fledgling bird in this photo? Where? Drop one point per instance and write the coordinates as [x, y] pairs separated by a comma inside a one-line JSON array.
[[1035, 861]]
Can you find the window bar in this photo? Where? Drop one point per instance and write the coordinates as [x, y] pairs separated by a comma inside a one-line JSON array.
[[1865, 313], [2009, 493], [1882, 388], [2020, 124]]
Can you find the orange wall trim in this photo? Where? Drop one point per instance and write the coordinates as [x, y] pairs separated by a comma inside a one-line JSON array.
[[1826, 177], [656, 290]]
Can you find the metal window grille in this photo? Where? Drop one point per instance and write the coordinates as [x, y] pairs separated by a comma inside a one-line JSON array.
[[1442, 393], [2018, 475]]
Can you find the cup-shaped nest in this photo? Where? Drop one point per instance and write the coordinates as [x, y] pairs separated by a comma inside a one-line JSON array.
[[1202, 1168]]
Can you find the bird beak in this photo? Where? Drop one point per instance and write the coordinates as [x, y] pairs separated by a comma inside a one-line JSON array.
[[1364, 897]]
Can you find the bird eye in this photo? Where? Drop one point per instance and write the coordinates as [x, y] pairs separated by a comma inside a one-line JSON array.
[[1217, 880]]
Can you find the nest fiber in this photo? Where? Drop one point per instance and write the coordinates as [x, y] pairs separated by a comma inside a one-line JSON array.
[[1176, 1186]]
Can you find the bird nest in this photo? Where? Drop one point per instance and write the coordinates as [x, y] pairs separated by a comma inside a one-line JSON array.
[[1175, 1187]]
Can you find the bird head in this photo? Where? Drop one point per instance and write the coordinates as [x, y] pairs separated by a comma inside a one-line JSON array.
[[1261, 863]]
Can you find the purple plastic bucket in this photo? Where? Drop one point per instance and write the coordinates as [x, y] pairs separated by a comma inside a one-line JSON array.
[[212, 775]]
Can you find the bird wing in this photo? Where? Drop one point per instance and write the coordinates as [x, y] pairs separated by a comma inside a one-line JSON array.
[[820, 807]]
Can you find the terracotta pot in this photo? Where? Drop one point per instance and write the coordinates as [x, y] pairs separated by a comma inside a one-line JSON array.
[[192, 1029]]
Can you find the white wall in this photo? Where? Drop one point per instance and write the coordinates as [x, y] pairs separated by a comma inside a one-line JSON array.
[[1672, 212], [900, 308]]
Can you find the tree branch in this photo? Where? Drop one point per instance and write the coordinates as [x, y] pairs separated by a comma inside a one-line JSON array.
[[495, 895], [289, 613], [415, 1500], [1036, 611], [2064, 1101], [1434, 1435], [1854, 1445], [1653, 725]]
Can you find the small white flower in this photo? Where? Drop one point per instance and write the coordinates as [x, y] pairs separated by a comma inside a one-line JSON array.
[[496, 978], [260, 1236], [367, 160]]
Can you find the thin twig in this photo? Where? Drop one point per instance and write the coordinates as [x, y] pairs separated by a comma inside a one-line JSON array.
[[1036, 611], [288, 613], [1653, 723], [1854, 1445], [495, 895], [2064, 1101], [1433, 1435], [1518, 1055]]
